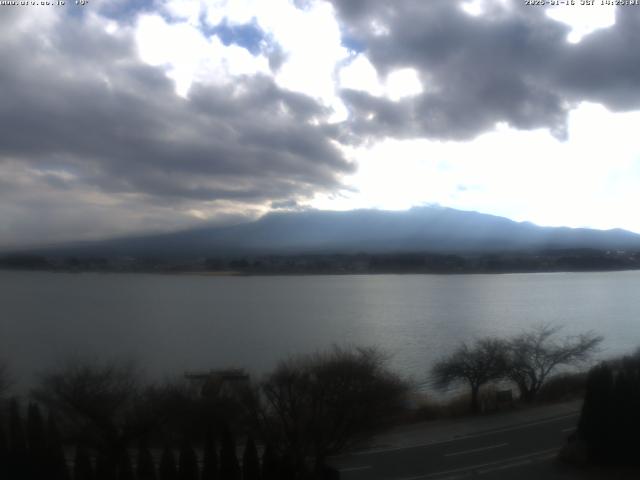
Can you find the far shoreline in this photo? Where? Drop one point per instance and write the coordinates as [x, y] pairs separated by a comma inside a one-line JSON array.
[[237, 273]]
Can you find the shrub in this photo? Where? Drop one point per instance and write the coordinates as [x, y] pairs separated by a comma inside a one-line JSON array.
[[320, 404], [610, 419], [562, 387]]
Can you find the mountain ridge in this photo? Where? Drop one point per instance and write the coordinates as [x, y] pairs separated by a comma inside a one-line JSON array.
[[430, 229]]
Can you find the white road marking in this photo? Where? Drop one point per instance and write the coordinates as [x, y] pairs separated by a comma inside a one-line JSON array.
[[518, 463], [354, 469], [474, 450], [571, 429], [506, 463], [462, 437]]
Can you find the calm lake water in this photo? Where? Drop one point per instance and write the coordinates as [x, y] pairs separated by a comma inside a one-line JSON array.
[[173, 323]]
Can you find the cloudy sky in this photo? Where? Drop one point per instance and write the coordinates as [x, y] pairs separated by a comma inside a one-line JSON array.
[[154, 115]]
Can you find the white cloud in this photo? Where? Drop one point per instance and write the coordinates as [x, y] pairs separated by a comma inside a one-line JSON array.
[[402, 83], [235, 11], [378, 28], [188, 10], [360, 74], [473, 7], [583, 19], [311, 41], [309, 38], [190, 56], [590, 180]]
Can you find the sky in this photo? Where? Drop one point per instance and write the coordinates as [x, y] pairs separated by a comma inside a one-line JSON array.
[[122, 117]]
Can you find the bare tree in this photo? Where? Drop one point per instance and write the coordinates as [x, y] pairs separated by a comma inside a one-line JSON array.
[[317, 405], [476, 365], [98, 402], [535, 354], [5, 378]]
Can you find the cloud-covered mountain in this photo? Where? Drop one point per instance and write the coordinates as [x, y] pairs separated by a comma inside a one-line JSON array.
[[128, 117], [423, 229]]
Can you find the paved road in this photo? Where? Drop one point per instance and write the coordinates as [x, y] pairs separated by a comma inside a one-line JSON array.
[[477, 454]]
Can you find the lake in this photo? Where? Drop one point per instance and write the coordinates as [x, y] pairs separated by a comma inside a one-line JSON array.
[[173, 323]]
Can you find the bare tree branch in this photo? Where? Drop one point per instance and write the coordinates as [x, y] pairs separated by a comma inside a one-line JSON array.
[[97, 401], [5, 378], [535, 354], [322, 403], [476, 365]]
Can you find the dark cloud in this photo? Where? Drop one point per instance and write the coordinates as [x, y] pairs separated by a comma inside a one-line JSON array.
[[275, 54], [80, 103], [94, 141], [286, 205], [512, 64]]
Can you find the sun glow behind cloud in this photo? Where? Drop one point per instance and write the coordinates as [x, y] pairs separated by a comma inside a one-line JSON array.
[[272, 103], [525, 175], [360, 74], [590, 180], [583, 19]]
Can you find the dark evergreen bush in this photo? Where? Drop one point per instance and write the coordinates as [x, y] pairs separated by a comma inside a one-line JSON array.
[[229, 466], [210, 468], [187, 463], [146, 468], [105, 470], [18, 461], [269, 464], [57, 463], [4, 451], [37, 442], [82, 466], [250, 462], [287, 468], [125, 469], [610, 420], [168, 470]]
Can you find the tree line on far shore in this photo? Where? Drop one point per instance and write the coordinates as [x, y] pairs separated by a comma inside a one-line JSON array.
[[104, 422], [563, 260]]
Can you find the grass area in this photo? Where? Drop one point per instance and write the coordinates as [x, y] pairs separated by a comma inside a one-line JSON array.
[[559, 388]]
